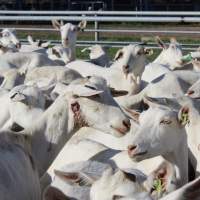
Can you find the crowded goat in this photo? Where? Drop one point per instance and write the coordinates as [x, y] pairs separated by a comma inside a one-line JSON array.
[[121, 128]]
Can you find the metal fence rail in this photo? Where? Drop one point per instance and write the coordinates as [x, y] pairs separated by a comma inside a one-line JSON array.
[[103, 13], [105, 16]]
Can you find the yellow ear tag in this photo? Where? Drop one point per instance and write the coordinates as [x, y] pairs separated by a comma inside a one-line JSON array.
[[158, 186], [184, 119]]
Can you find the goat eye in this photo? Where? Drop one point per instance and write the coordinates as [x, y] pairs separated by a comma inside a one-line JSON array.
[[96, 96], [6, 34], [116, 197], [13, 96], [75, 96], [165, 121], [90, 87], [120, 55], [88, 77], [126, 66]]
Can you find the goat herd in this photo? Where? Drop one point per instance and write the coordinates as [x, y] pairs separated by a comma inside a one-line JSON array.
[[98, 129]]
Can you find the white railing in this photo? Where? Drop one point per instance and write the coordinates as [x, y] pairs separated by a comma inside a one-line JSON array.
[[104, 16]]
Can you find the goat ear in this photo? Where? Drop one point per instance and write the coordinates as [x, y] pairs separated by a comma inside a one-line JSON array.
[[55, 52], [173, 40], [52, 193], [148, 51], [162, 179], [56, 24], [160, 42], [30, 39], [3, 48], [17, 96], [134, 175], [141, 51], [118, 55], [196, 64], [48, 89], [61, 22], [16, 127], [82, 25], [118, 93], [132, 114], [75, 177], [86, 49], [151, 102], [85, 91], [46, 44], [183, 115]]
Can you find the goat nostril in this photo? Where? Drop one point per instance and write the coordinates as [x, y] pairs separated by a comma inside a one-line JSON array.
[[190, 92], [131, 147], [18, 45], [126, 67], [127, 123]]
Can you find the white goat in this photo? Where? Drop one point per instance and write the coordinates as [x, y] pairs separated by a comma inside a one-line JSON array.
[[51, 75], [25, 61], [26, 104], [21, 105], [162, 135], [169, 59], [68, 35], [123, 74], [8, 37], [189, 116], [171, 55], [35, 46], [74, 180], [80, 106], [60, 55], [98, 55], [11, 78], [167, 85], [118, 185]]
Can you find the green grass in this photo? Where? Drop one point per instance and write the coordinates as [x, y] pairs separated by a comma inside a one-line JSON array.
[[132, 37]]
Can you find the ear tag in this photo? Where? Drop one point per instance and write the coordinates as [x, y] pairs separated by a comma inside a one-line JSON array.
[[187, 58], [158, 186], [184, 119]]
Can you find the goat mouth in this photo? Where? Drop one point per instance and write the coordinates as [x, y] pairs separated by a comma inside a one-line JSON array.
[[66, 42], [193, 97], [137, 155], [121, 131], [18, 45]]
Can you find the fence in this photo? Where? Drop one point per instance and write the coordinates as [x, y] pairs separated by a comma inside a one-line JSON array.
[[106, 16]]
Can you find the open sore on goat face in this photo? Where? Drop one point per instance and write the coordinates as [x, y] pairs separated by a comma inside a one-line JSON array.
[[159, 133], [107, 118]]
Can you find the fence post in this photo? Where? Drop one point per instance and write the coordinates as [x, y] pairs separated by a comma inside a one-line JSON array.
[[96, 33]]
